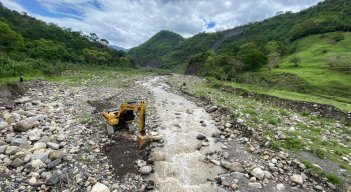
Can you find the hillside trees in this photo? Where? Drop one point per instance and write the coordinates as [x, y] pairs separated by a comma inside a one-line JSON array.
[[48, 47], [9, 39], [251, 56]]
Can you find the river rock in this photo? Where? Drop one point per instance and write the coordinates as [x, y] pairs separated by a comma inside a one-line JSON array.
[[201, 137], [39, 145], [237, 175], [221, 190], [236, 167], [4, 125], [32, 181], [60, 137], [17, 162], [268, 175], [54, 163], [23, 100], [37, 164], [55, 154], [34, 135], [24, 125], [41, 156], [255, 185], [212, 109], [52, 180], [11, 150], [297, 179], [145, 170], [53, 146], [99, 187], [280, 187], [17, 141], [226, 164], [3, 149], [20, 155], [258, 173]]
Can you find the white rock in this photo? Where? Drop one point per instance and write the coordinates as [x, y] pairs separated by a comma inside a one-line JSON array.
[[274, 161], [280, 187], [39, 145], [53, 146], [23, 100], [255, 185], [37, 164], [34, 135], [258, 173], [32, 181], [74, 150], [145, 170], [99, 187], [3, 125], [268, 175], [3, 149], [297, 179]]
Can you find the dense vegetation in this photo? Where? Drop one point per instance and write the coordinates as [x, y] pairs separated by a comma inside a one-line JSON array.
[[249, 47], [148, 54], [28, 45]]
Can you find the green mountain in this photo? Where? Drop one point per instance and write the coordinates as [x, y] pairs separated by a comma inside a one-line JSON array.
[[28, 44], [248, 47], [150, 53]]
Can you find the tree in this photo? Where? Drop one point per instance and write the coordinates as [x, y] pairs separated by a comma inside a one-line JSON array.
[[251, 56], [9, 39], [296, 61], [273, 60], [272, 47]]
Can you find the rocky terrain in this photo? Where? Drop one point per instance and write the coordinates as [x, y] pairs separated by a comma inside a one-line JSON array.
[[53, 139]]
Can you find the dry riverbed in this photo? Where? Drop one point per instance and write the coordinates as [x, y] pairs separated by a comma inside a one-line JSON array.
[[53, 139]]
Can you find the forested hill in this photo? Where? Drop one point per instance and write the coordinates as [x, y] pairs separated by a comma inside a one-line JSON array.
[[157, 46], [249, 47], [27, 43]]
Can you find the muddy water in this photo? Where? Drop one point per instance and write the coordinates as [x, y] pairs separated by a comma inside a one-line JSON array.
[[182, 168]]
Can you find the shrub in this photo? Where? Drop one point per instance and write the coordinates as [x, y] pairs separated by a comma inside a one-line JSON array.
[[296, 61], [319, 153]]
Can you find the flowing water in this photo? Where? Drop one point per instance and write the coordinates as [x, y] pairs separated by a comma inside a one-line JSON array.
[[182, 168]]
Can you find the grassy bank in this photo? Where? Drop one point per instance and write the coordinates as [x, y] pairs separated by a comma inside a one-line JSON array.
[[322, 138]]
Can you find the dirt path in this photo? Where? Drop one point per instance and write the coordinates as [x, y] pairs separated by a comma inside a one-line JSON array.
[[179, 166]]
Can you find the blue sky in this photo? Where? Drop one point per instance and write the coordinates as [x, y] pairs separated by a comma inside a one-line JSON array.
[[63, 11], [128, 23]]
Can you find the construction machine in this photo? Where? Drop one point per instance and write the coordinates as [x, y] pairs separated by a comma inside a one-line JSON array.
[[122, 118]]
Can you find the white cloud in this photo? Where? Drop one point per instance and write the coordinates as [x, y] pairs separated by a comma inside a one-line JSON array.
[[129, 23]]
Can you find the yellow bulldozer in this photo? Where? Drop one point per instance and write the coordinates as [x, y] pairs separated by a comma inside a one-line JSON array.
[[119, 119]]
